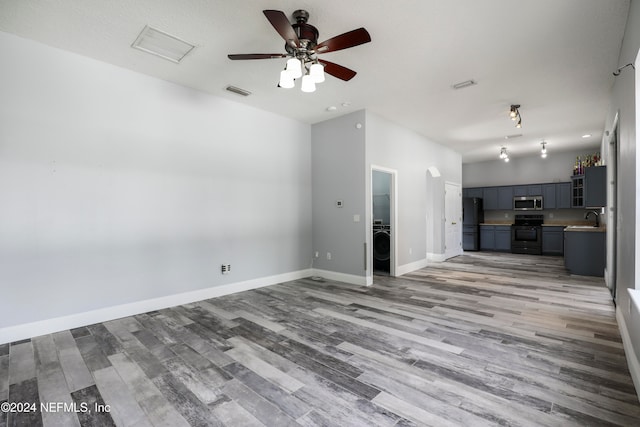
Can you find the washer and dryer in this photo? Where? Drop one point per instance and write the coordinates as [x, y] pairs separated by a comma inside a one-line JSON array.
[[381, 247]]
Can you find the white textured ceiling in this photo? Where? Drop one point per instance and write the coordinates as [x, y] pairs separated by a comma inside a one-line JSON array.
[[554, 57]]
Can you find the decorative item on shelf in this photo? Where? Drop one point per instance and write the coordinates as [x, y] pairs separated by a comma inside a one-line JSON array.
[[586, 161]]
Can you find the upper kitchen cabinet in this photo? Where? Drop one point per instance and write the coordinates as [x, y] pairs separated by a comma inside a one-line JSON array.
[[563, 195], [490, 198], [527, 190], [549, 196], [589, 190], [472, 192], [505, 198], [595, 187]]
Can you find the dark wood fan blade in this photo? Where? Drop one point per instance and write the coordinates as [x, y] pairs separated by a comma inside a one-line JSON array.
[[282, 25], [256, 56], [343, 73], [344, 41]]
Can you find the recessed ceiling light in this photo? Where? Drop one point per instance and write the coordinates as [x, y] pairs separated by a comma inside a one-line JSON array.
[[464, 84], [515, 135], [346, 103], [161, 44], [586, 135], [332, 108]]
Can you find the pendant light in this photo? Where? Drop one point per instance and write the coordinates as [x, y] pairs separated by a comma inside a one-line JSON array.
[[543, 152]]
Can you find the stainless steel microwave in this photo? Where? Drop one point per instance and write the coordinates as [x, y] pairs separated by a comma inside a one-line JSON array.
[[527, 203]]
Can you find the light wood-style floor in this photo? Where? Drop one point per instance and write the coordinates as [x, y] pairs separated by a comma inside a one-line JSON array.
[[483, 339]]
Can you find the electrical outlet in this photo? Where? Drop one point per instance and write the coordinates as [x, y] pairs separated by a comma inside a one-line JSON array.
[[225, 268], [329, 255], [317, 254]]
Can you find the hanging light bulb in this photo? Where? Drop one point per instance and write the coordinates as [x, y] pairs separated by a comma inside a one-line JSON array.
[[543, 152], [519, 124], [286, 81], [506, 159], [317, 72], [294, 68], [308, 85]]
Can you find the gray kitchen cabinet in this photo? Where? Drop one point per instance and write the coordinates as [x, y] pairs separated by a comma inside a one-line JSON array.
[[585, 252], [534, 190], [502, 238], [577, 191], [563, 195], [505, 198], [473, 192], [595, 187], [549, 196], [490, 198], [552, 240], [487, 238], [519, 190], [495, 238]]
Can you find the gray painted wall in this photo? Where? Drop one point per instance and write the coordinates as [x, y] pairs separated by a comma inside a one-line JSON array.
[[338, 173], [623, 103], [117, 187], [557, 167], [394, 147]]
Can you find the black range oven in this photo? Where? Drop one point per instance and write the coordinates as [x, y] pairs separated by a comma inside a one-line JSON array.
[[526, 234]]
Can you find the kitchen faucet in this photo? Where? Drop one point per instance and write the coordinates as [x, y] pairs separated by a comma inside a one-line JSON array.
[[586, 216]]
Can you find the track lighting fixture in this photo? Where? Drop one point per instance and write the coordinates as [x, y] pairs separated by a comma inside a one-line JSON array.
[[503, 154], [543, 152], [514, 114]]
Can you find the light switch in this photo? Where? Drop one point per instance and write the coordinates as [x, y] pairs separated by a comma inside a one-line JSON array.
[[356, 218]]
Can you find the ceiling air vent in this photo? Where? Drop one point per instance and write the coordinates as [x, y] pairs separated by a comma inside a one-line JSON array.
[[464, 84], [161, 44], [238, 91]]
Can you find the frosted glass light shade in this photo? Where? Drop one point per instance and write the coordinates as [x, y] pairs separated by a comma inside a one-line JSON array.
[[308, 85], [294, 68], [317, 72], [286, 81]]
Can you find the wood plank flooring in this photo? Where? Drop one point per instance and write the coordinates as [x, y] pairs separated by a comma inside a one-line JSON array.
[[483, 339]]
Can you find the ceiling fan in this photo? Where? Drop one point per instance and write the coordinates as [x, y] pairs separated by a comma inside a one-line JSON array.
[[302, 48]]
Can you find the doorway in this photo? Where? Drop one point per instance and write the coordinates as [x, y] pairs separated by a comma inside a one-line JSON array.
[[383, 224], [453, 219]]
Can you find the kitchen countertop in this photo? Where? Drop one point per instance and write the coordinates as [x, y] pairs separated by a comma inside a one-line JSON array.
[[574, 226], [586, 228]]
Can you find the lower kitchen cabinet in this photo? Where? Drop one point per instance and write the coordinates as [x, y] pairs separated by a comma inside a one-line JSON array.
[[552, 240], [487, 238], [503, 238], [495, 238], [585, 252]]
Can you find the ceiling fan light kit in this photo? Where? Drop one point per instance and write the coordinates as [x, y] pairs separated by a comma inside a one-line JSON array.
[[302, 50]]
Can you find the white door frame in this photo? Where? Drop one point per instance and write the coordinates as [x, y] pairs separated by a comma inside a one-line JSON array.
[[612, 143], [393, 217]]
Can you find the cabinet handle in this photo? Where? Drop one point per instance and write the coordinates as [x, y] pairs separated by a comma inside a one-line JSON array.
[[453, 223]]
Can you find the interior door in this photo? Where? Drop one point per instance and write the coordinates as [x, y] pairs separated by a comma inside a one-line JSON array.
[[453, 219]]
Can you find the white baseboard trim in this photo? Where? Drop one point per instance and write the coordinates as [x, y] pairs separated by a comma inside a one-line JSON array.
[[412, 266], [432, 257], [632, 358], [341, 277], [42, 327]]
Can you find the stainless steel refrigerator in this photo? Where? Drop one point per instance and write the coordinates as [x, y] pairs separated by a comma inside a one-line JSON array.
[[472, 216]]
